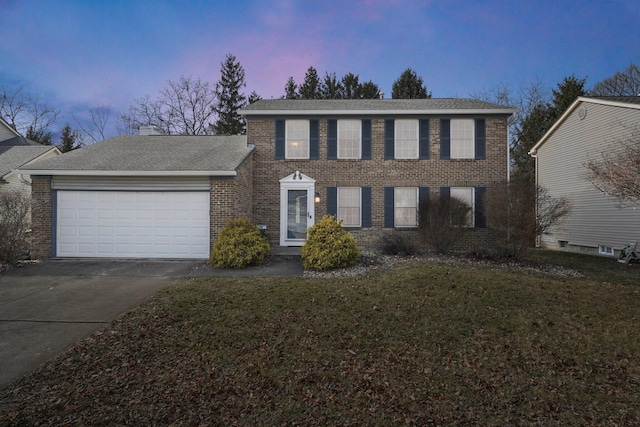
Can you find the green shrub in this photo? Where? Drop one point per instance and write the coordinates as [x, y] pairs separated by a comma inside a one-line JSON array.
[[329, 247], [240, 244]]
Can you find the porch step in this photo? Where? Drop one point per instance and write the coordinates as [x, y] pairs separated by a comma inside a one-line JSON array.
[[286, 252]]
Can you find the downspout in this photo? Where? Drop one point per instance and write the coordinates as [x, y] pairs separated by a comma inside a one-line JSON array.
[[535, 157]]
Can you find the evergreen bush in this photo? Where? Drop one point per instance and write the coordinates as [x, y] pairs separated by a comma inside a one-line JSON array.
[[240, 244], [329, 247]]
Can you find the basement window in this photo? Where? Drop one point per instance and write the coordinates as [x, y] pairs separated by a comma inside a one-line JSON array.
[[605, 250]]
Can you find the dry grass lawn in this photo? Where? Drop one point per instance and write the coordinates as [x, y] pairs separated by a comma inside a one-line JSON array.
[[417, 344]]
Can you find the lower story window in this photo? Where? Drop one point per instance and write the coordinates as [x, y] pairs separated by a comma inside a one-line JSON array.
[[349, 206], [406, 207], [466, 195]]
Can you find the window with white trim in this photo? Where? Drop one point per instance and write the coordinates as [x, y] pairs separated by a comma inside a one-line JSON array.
[[349, 206], [467, 196], [406, 139], [297, 139], [405, 206], [462, 138], [605, 250], [349, 139]]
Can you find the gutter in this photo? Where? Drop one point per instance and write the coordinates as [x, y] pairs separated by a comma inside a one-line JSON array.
[[56, 172]]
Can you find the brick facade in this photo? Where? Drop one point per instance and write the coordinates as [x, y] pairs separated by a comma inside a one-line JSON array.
[[376, 173], [41, 218], [231, 197]]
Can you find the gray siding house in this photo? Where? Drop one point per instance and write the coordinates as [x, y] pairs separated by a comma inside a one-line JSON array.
[[597, 224]]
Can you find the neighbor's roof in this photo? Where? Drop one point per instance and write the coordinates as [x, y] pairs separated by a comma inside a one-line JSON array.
[[613, 101], [16, 156], [373, 107], [153, 155], [18, 141]]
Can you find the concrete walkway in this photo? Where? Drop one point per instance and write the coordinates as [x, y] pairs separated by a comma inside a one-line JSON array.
[[46, 307]]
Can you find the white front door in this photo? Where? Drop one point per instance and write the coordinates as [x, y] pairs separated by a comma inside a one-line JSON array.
[[297, 211]]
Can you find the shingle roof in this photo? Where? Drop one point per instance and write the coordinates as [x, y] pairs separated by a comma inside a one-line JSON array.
[[13, 157], [627, 99], [153, 154], [374, 106], [18, 141]]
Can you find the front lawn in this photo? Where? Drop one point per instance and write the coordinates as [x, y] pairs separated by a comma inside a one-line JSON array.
[[416, 344]]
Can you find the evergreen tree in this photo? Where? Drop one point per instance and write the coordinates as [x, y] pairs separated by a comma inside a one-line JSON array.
[[253, 97], [567, 92], [229, 98], [409, 86], [68, 139], [528, 133], [291, 89], [350, 86], [370, 90], [331, 87], [310, 88]]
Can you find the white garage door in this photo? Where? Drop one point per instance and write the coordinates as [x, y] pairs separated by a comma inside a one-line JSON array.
[[132, 224]]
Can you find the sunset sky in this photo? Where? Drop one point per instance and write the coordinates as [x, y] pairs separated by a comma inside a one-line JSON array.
[[78, 54]]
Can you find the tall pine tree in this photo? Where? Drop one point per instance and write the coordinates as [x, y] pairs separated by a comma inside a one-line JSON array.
[[68, 139], [230, 99], [310, 88], [409, 86]]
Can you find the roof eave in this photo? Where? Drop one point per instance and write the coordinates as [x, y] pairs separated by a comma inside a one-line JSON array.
[[59, 172], [497, 111]]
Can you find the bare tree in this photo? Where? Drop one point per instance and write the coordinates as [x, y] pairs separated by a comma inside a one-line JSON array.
[[14, 226], [622, 83], [517, 213], [27, 113], [96, 130], [616, 170], [183, 107], [442, 222]]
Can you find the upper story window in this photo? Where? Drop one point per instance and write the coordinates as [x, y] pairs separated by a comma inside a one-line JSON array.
[[462, 138], [349, 139], [349, 206], [297, 139], [406, 139]]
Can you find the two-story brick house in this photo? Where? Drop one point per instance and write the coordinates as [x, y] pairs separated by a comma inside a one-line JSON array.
[[369, 162]]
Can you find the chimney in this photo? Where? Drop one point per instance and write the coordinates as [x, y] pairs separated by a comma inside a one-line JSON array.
[[150, 130]]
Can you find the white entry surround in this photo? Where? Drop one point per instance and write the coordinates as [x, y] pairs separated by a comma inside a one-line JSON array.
[[297, 208]]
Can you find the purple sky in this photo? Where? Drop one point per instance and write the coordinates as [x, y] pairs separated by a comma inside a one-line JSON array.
[[77, 54]]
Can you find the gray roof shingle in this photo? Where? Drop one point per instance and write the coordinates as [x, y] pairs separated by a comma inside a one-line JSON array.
[[153, 153], [13, 157], [375, 106]]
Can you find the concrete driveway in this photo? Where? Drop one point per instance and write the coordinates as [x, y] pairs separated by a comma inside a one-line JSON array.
[[47, 307]]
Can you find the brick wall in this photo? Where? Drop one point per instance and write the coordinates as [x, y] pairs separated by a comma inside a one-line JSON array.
[[41, 217], [231, 197], [376, 173]]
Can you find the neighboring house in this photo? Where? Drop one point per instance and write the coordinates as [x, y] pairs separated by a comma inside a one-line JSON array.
[[369, 162], [15, 152], [597, 224]]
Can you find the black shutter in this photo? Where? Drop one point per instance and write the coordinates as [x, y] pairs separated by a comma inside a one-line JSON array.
[[389, 207], [481, 139], [314, 140], [389, 139], [445, 192], [445, 139], [424, 139], [480, 215], [423, 196], [366, 206], [332, 201], [280, 131], [332, 139], [366, 140]]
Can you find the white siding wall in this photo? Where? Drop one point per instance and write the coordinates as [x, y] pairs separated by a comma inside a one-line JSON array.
[[595, 219], [6, 133]]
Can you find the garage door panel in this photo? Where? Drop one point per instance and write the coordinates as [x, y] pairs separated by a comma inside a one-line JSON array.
[[133, 224]]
